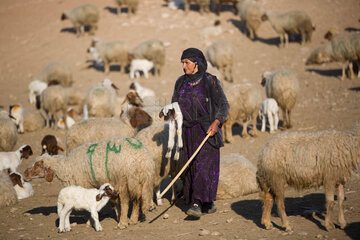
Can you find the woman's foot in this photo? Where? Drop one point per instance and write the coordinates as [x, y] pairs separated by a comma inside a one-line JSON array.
[[195, 210], [208, 208]]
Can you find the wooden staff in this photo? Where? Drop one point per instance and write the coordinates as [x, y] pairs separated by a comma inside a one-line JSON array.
[[185, 166]]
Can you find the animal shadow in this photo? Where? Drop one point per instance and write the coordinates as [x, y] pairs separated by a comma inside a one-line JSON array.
[[73, 30], [46, 211], [351, 29], [252, 209], [101, 68], [112, 10], [356, 89], [326, 73], [353, 230]]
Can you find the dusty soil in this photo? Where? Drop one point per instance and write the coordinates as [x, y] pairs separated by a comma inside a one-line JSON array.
[[32, 36]]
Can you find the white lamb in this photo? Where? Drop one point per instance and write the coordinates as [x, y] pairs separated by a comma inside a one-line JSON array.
[[143, 92], [16, 112], [12, 160], [270, 109], [140, 65], [23, 189], [35, 88], [173, 113], [79, 198]]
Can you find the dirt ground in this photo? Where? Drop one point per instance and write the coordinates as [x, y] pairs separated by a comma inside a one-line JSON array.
[[32, 35]]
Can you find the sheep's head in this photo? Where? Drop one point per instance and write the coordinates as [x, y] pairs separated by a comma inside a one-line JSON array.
[[139, 118], [170, 114], [264, 17], [16, 179], [106, 190], [26, 151], [329, 35], [38, 170], [64, 15], [263, 78]]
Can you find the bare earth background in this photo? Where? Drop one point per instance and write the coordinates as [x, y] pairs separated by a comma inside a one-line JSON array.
[[32, 35]]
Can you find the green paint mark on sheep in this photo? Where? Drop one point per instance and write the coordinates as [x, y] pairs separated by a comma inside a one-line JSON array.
[[112, 149], [91, 151], [134, 145]]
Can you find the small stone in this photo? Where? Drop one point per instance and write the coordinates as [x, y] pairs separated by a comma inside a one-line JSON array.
[[31, 219], [27, 214], [216, 234], [166, 216], [176, 221], [41, 224], [12, 210], [229, 220], [12, 229], [204, 232], [73, 224], [319, 236], [303, 233]]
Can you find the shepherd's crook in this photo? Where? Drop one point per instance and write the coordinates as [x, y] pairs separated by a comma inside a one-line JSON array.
[[185, 166]]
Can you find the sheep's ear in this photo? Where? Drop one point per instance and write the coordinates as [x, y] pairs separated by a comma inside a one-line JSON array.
[[63, 16], [49, 174], [114, 86], [16, 179], [60, 148], [263, 81], [161, 114], [99, 197]]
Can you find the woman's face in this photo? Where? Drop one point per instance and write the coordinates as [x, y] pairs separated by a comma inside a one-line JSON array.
[[189, 66]]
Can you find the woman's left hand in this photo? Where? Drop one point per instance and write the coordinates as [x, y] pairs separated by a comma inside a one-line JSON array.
[[214, 127]]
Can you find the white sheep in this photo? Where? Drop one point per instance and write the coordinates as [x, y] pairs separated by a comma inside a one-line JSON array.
[[56, 73], [123, 162], [270, 109], [75, 96], [173, 113], [211, 31], [244, 101], [52, 100], [23, 189], [16, 112], [81, 16], [345, 49], [152, 50], [283, 86], [69, 119], [321, 54], [12, 160], [79, 198], [220, 55], [131, 4], [33, 120], [293, 22], [142, 91], [109, 53], [250, 16], [8, 195], [140, 65], [237, 177], [8, 132], [305, 160], [35, 88]]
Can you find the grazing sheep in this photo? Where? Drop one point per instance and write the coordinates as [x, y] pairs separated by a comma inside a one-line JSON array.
[[319, 55], [293, 22], [81, 16], [283, 86], [152, 50], [219, 2], [8, 132], [8, 195], [250, 16], [33, 120], [270, 109], [16, 113], [101, 100], [305, 160], [49, 144], [156, 138], [345, 49], [132, 99], [109, 53], [23, 189], [95, 129], [79, 198], [211, 31], [244, 101], [123, 162], [173, 113], [12, 160], [237, 177], [204, 5], [35, 88], [56, 73], [74, 96], [140, 65], [220, 55], [52, 100], [69, 119], [131, 4]]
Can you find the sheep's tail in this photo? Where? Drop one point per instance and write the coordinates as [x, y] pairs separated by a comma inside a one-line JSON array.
[[85, 112]]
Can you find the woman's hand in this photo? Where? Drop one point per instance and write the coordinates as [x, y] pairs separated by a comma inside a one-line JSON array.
[[214, 127]]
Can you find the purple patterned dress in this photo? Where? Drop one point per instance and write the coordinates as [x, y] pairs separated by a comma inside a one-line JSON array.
[[202, 175]]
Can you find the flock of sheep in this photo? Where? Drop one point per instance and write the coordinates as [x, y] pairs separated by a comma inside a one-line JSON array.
[[121, 142]]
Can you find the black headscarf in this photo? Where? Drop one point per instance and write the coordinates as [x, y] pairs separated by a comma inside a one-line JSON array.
[[196, 56]]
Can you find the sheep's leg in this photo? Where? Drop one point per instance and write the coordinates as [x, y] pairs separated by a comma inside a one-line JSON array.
[[303, 38], [159, 200], [263, 122], [67, 221], [78, 30], [244, 131], [341, 218], [251, 32], [227, 130], [254, 131], [279, 198], [268, 201], [284, 123], [343, 76], [115, 205], [289, 119], [62, 215], [146, 74], [172, 129], [271, 122], [329, 194], [351, 70], [119, 11], [286, 38], [65, 117], [95, 217], [276, 121], [124, 222], [106, 67], [134, 218]]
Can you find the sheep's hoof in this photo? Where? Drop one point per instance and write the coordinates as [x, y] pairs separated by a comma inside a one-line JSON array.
[[159, 202], [342, 225], [133, 222], [288, 228], [122, 225], [268, 226], [329, 226]]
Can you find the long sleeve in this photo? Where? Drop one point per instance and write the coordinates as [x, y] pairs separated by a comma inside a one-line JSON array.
[[222, 109]]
